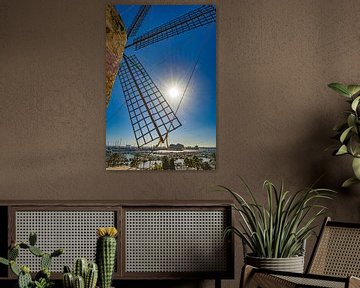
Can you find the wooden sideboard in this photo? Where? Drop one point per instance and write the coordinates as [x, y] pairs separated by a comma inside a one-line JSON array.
[[157, 240]]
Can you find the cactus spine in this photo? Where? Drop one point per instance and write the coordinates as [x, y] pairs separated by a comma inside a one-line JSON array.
[[106, 254]]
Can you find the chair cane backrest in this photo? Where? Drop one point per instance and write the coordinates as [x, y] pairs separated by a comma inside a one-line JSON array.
[[337, 252]]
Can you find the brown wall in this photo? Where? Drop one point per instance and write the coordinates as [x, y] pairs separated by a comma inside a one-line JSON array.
[[275, 112]]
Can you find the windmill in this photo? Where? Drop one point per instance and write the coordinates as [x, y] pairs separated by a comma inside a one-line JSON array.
[[151, 116]]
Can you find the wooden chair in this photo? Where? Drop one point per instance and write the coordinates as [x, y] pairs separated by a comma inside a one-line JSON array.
[[335, 262]]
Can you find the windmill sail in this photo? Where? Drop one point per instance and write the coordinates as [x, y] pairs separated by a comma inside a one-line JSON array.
[[199, 17], [139, 18], [150, 114]]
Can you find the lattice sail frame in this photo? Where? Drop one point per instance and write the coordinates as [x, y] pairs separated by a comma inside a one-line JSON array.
[[164, 241], [199, 17], [151, 116], [139, 18], [74, 231]]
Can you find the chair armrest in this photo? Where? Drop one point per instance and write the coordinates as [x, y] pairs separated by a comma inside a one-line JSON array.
[[255, 277], [246, 273], [252, 277], [354, 282]]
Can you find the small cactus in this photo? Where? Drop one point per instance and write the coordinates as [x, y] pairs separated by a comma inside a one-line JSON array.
[[67, 278], [80, 268], [25, 269], [91, 276], [24, 246], [44, 273], [106, 254], [79, 282], [4, 261], [57, 252], [36, 251], [24, 278], [89, 272], [13, 253], [14, 268], [32, 238], [67, 269], [45, 261]]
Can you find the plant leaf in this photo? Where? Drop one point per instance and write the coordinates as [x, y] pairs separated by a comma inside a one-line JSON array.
[[349, 182], [4, 261], [356, 167], [355, 103], [345, 134], [340, 88], [353, 89], [354, 144], [351, 120], [342, 150]]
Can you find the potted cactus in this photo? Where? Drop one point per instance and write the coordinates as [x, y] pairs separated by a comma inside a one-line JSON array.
[[42, 278], [85, 275], [106, 254]]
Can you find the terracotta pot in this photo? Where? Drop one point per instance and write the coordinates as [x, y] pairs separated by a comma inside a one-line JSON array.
[[291, 264]]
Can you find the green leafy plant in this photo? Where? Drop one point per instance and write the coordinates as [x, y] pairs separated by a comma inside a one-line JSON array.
[[348, 132], [42, 278], [279, 229], [43, 283]]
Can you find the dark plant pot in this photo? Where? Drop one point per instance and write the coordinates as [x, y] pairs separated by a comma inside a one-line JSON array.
[[291, 264]]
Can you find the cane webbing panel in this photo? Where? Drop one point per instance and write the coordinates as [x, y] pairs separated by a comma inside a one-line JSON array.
[[74, 231], [175, 241], [267, 280], [313, 282], [338, 252]]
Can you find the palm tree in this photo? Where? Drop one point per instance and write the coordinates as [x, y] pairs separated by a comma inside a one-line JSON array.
[[165, 163]]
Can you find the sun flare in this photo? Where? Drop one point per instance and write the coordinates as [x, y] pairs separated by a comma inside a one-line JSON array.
[[174, 92]]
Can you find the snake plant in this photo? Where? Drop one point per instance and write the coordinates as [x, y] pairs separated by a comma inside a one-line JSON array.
[[348, 132], [279, 228]]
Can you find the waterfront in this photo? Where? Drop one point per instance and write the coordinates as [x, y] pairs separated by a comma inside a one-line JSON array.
[[176, 157]]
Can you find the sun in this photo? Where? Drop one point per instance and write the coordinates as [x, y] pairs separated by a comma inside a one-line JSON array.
[[174, 92]]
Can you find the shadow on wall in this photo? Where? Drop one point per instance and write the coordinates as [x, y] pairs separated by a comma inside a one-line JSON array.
[[310, 153], [310, 159]]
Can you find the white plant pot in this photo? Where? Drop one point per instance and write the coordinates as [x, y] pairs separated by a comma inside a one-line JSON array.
[[291, 264]]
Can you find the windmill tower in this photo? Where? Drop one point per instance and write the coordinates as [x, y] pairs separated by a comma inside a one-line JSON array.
[[151, 116]]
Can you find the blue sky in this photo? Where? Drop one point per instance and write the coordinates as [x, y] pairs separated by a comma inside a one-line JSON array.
[[169, 63]]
